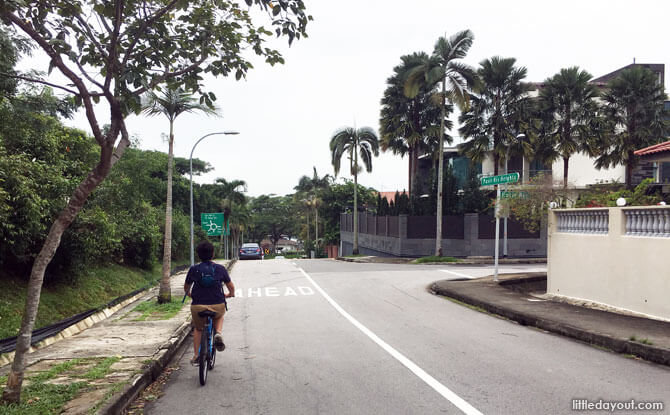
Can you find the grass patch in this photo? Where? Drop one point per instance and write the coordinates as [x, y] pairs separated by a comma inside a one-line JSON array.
[[42, 398], [55, 371], [425, 259], [643, 341], [60, 300], [470, 306], [114, 389], [154, 311], [355, 256], [102, 368]]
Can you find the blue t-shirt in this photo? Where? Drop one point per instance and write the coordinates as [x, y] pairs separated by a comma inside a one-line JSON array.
[[212, 294]]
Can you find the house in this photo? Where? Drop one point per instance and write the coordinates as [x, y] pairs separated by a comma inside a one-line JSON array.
[[581, 172], [659, 156]]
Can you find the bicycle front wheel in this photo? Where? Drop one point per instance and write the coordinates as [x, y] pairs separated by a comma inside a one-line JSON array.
[[203, 361]]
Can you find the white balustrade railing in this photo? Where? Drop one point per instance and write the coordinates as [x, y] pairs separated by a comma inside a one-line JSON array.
[[583, 221], [648, 222]]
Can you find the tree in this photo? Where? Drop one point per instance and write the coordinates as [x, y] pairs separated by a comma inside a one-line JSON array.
[[499, 111], [272, 215], [232, 195], [456, 78], [171, 103], [117, 51], [635, 118], [311, 188], [409, 125], [569, 114], [338, 198], [353, 141]]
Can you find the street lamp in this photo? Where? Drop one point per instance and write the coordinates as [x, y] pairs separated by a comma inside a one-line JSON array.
[[190, 161]]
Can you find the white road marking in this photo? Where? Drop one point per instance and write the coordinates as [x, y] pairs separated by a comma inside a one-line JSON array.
[[274, 292], [458, 274], [446, 393]]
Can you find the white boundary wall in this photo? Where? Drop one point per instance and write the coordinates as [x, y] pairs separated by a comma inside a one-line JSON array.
[[627, 267]]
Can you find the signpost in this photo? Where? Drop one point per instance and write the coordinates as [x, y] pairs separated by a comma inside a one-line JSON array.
[[212, 223], [501, 179], [493, 180]]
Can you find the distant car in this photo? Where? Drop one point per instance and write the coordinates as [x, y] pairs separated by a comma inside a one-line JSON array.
[[250, 251]]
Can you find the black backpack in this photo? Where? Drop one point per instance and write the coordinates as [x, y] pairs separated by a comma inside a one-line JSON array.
[[207, 279]]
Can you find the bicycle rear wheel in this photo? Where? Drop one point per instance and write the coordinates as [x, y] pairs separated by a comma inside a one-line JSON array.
[[212, 356], [203, 361]]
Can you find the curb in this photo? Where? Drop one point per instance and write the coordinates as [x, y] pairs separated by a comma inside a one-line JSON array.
[[646, 352], [120, 400], [487, 261]]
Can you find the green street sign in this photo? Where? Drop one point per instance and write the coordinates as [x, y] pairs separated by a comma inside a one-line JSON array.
[[212, 223], [514, 194], [502, 179]]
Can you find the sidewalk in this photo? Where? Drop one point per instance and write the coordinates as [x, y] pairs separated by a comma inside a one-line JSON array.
[[600, 328], [461, 261], [103, 368]]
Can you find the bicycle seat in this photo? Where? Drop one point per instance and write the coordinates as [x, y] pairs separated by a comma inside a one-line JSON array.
[[206, 313]]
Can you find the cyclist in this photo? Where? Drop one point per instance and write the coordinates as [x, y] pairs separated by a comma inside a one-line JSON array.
[[204, 284]]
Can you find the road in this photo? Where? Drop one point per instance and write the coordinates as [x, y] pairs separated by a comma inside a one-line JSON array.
[[331, 337]]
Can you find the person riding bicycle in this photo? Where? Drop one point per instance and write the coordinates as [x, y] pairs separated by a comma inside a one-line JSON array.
[[204, 284]]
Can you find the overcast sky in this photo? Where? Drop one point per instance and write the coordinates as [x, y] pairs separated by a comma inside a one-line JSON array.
[[286, 114]]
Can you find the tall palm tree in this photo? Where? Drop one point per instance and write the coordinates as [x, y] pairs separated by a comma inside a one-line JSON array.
[[232, 197], [635, 116], [499, 113], [171, 103], [408, 126], [312, 188], [569, 112], [444, 67], [352, 141]]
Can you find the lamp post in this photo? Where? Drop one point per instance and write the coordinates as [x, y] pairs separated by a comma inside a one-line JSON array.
[[190, 161]]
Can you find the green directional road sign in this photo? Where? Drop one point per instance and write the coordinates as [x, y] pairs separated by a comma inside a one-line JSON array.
[[212, 223], [502, 179]]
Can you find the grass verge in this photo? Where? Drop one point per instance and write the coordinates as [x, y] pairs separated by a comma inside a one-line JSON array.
[[425, 259], [41, 398], [58, 301], [151, 310]]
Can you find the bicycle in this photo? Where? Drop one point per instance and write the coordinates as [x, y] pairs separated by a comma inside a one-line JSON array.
[[207, 351]]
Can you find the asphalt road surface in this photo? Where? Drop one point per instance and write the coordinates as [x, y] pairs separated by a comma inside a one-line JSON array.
[[331, 337]]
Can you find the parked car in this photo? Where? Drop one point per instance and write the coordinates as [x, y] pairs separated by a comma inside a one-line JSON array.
[[250, 251]]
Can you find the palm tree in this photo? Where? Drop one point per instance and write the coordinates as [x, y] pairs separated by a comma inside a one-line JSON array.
[[635, 117], [569, 114], [444, 67], [312, 187], [500, 112], [171, 103], [408, 125], [363, 141], [232, 195]]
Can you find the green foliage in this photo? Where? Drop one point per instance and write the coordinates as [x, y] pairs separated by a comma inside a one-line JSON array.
[[427, 259], [272, 216], [60, 299], [602, 196], [339, 198], [532, 211], [635, 118]]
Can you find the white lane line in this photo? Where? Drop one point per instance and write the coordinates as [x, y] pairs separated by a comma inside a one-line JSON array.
[[446, 393], [458, 274]]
